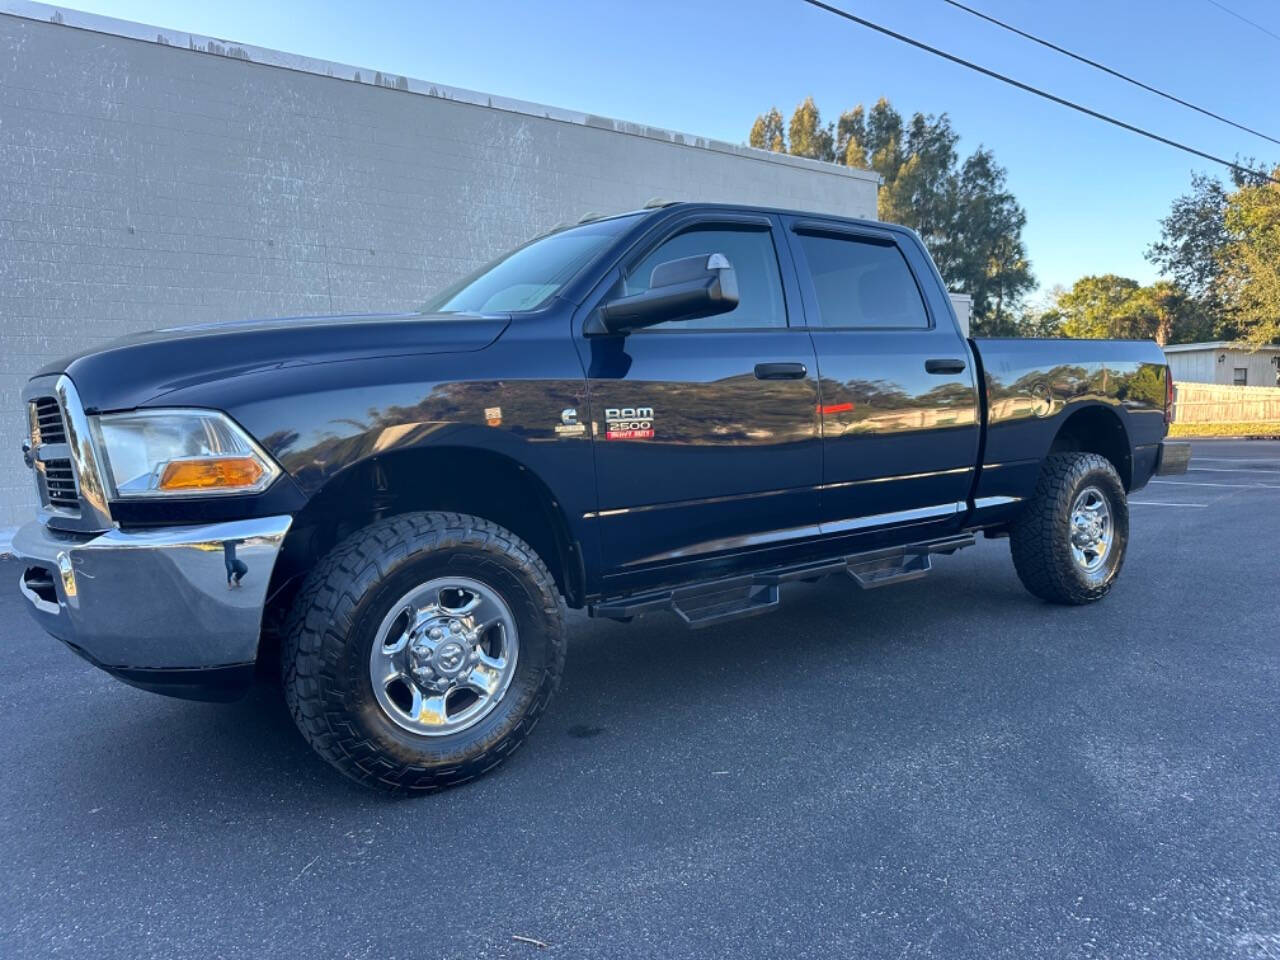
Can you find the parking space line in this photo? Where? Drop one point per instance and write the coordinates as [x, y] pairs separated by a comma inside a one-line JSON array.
[[1229, 470], [1163, 503], [1207, 483], [1195, 459]]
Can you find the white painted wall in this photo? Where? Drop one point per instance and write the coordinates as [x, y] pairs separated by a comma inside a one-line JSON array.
[[962, 303], [153, 177]]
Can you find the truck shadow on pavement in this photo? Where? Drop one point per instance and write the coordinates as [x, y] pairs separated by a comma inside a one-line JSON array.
[[831, 650]]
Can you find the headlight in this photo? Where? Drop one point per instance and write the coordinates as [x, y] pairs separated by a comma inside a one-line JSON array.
[[179, 453]]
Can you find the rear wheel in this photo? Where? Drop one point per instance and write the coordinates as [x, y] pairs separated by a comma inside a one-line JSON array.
[[1069, 543], [422, 651]]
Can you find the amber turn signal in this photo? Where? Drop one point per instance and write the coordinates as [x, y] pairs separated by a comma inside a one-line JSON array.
[[210, 473]]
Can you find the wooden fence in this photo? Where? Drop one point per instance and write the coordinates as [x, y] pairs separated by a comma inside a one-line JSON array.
[[1219, 403]]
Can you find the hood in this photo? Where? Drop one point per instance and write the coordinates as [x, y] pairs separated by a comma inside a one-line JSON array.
[[143, 367]]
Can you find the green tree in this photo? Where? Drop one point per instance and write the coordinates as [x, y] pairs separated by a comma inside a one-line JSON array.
[[1250, 261], [807, 136], [1112, 306], [1196, 245], [1192, 235], [983, 247], [1095, 306], [1166, 313], [1040, 318], [851, 137], [921, 188], [1040, 323], [767, 133], [884, 140], [964, 212]]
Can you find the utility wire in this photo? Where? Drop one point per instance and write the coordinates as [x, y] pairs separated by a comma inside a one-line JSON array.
[[1105, 69], [1062, 101], [1252, 23]]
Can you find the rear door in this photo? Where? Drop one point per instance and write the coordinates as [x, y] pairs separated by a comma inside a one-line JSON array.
[[706, 431], [899, 402]]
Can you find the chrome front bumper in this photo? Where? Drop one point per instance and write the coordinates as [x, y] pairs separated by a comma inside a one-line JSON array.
[[174, 609]]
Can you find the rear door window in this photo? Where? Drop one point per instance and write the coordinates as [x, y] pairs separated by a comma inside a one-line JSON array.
[[862, 284]]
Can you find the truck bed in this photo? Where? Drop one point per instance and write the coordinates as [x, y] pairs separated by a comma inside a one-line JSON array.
[[1033, 386]]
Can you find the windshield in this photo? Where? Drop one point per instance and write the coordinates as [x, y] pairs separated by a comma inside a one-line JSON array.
[[529, 276]]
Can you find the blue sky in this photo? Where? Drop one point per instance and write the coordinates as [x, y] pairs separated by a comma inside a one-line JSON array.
[[1093, 194]]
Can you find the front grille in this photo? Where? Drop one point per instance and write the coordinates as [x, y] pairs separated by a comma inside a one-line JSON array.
[[48, 421], [58, 479], [60, 483]]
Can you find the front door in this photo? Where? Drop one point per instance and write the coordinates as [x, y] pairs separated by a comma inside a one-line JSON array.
[[898, 391], [706, 431]]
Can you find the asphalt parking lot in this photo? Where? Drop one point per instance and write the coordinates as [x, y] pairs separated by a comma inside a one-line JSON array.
[[947, 768]]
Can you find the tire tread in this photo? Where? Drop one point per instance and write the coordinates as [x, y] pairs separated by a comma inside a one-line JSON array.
[[1034, 539], [323, 618]]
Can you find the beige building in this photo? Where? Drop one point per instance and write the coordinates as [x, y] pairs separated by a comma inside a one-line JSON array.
[[1224, 362]]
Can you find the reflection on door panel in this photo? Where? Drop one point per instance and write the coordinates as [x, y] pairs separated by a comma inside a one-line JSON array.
[[900, 428], [726, 456]]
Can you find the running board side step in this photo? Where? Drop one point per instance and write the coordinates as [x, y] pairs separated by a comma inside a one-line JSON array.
[[717, 601], [881, 573]]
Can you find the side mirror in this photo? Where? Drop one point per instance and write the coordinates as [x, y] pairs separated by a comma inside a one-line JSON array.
[[684, 289]]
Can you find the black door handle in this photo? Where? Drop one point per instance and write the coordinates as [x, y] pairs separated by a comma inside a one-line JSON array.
[[781, 371], [944, 366]]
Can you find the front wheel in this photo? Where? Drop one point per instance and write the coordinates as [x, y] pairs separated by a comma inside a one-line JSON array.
[[422, 651], [1069, 543]]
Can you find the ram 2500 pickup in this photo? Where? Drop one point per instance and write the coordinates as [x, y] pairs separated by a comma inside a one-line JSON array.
[[678, 409]]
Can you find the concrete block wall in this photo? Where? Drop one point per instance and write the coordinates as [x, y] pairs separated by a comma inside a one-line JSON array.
[[152, 178]]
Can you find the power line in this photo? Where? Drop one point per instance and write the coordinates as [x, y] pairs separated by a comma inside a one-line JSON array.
[[1105, 69], [1062, 101], [1252, 23]]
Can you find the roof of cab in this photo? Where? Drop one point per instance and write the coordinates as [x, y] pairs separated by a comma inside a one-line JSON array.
[[668, 206]]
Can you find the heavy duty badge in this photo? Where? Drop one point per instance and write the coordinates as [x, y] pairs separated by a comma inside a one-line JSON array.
[[628, 423]]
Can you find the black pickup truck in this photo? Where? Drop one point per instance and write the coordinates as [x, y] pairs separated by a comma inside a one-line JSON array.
[[678, 409]]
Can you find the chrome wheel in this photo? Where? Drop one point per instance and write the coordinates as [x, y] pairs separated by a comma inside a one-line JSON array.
[[444, 656], [1091, 530]]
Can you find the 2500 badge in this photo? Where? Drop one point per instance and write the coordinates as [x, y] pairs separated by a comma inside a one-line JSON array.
[[628, 423]]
